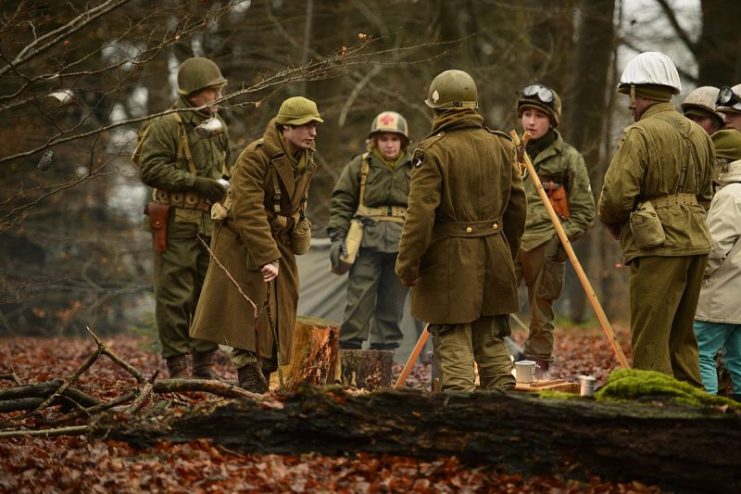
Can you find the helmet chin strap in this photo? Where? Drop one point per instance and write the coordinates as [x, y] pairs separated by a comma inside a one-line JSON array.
[[632, 95]]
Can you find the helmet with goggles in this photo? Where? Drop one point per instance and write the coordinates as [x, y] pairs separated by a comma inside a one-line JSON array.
[[729, 99], [541, 98]]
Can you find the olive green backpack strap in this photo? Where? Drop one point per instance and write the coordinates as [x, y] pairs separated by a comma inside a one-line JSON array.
[[183, 147], [364, 171]]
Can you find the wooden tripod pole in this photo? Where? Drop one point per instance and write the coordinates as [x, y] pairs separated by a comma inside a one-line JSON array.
[[525, 160], [412, 358]]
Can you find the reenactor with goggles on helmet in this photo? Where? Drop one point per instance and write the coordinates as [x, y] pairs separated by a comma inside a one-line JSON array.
[[255, 246], [541, 260], [372, 192], [184, 166], [654, 199], [699, 106], [464, 222], [729, 104]]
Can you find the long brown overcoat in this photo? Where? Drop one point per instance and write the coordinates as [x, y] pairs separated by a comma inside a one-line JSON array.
[[253, 235], [466, 216]]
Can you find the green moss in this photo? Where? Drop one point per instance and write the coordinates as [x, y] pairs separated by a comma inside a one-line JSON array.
[[634, 384]]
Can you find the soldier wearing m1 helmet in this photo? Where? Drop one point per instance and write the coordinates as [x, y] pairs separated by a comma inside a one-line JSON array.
[[184, 167], [729, 104], [541, 261], [373, 188], [699, 106], [654, 200], [465, 219]]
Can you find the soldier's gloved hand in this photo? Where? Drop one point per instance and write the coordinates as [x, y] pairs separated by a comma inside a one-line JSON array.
[[554, 251], [209, 188], [337, 250]]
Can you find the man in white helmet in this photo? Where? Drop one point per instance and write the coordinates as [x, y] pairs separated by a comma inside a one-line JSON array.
[[729, 103], [654, 199], [699, 106]]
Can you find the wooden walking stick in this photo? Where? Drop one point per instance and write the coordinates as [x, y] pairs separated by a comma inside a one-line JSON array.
[[524, 159], [412, 357]]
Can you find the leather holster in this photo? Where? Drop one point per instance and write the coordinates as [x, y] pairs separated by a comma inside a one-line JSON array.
[[158, 217]]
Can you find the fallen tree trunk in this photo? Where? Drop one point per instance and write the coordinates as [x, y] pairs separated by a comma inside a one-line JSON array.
[[679, 448]]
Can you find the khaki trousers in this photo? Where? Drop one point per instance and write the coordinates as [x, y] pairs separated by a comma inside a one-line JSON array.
[[663, 299], [457, 347]]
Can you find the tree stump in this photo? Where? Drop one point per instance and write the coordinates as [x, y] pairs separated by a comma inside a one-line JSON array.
[[368, 369], [314, 353]]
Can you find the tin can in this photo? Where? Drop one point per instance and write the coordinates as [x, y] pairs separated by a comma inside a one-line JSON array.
[[525, 371], [586, 385]]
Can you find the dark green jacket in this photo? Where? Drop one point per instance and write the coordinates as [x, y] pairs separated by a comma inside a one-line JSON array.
[[466, 216], [648, 164], [564, 165], [161, 167], [384, 187]]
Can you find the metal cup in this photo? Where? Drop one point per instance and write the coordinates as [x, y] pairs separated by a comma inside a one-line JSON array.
[[586, 385], [525, 371], [209, 128]]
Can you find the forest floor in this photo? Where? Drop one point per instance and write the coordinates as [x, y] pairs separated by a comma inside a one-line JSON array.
[[79, 464]]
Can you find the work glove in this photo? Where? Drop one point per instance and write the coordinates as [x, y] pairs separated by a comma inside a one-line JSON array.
[[337, 250], [209, 188]]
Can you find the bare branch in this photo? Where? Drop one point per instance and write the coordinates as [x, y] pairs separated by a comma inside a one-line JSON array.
[[681, 33]]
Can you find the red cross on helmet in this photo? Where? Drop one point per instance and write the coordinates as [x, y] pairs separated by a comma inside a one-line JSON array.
[[389, 121]]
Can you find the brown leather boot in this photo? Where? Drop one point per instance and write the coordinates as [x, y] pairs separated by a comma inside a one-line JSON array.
[[177, 366], [203, 365], [250, 378]]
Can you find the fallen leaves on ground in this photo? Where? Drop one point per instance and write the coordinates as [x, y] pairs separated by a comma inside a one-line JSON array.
[[77, 464]]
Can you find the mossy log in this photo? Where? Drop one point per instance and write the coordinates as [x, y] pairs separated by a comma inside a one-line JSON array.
[[682, 449]]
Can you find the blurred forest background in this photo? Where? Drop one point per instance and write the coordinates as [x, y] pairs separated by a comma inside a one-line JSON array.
[[72, 247]]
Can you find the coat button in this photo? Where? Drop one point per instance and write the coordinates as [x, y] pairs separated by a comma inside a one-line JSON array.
[[495, 226], [469, 229]]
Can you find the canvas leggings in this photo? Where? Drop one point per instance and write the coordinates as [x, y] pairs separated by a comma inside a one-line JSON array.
[[663, 298], [374, 296], [457, 347], [179, 272], [542, 269]]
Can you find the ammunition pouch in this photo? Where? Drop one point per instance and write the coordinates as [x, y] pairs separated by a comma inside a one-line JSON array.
[[159, 214], [559, 198], [646, 226], [185, 200]]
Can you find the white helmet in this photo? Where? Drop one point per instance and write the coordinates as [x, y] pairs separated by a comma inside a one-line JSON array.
[[703, 99], [729, 99], [653, 68]]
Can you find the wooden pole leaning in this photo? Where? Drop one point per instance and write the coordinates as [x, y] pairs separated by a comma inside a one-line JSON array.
[[412, 359], [524, 159]]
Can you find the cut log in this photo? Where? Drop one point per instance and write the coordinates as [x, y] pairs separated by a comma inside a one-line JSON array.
[[314, 353], [682, 449], [367, 369]]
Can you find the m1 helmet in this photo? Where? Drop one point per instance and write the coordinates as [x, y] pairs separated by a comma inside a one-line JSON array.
[[650, 68], [701, 101], [542, 98], [389, 121], [452, 89], [198, 73]]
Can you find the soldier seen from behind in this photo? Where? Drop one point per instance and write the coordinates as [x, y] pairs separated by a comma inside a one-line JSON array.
[[654, 199], [464, 222], [184, 164]]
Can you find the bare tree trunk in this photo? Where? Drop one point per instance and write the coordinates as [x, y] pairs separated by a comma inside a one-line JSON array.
[[585, 111], [719, 46]]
